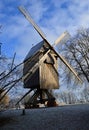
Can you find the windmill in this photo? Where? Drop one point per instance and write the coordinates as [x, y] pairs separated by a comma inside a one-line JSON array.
[[41, 67]]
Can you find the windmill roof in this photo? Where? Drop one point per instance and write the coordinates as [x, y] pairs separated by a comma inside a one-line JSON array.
[[34, 50]]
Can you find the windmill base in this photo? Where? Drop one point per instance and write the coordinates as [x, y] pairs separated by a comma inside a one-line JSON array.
[[41, 96]]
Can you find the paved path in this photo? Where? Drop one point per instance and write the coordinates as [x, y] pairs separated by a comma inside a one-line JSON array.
[[72, 117]]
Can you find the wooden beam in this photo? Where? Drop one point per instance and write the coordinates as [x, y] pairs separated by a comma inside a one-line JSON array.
[[28, 17], [34, 68], [24, 96]]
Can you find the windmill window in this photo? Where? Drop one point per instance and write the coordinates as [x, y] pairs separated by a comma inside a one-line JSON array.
[[56, 57], [49, 61]]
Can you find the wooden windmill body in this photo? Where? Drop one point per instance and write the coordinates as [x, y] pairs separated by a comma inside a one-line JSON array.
[[46, 74], [41, 68]]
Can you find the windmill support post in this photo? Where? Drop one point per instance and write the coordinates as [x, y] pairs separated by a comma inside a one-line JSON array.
[[38, 97]]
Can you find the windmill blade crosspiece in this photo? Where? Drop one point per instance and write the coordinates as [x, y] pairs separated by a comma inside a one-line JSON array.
[[28, 17], [63, 38], [70, 67]]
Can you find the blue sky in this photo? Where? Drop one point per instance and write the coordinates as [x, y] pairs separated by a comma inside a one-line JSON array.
[[54, 17]]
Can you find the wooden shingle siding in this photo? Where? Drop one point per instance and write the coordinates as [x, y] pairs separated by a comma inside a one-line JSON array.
[[33, 81], [49, 77]]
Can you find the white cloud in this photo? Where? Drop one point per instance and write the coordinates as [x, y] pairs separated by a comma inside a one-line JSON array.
[[37, 9], [53, 17]]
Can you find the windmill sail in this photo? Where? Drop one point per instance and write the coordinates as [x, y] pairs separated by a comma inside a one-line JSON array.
[[65, 35], [28, 17], [70, 67], [62, 39]]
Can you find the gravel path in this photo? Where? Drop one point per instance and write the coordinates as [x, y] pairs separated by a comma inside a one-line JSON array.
[[72, 117]]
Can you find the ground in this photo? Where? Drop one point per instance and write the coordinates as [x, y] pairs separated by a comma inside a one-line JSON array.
[[71, 117]]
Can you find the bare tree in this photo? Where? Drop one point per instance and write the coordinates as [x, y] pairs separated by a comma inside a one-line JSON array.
[[76, 51], [10, 76], [85, 94]]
